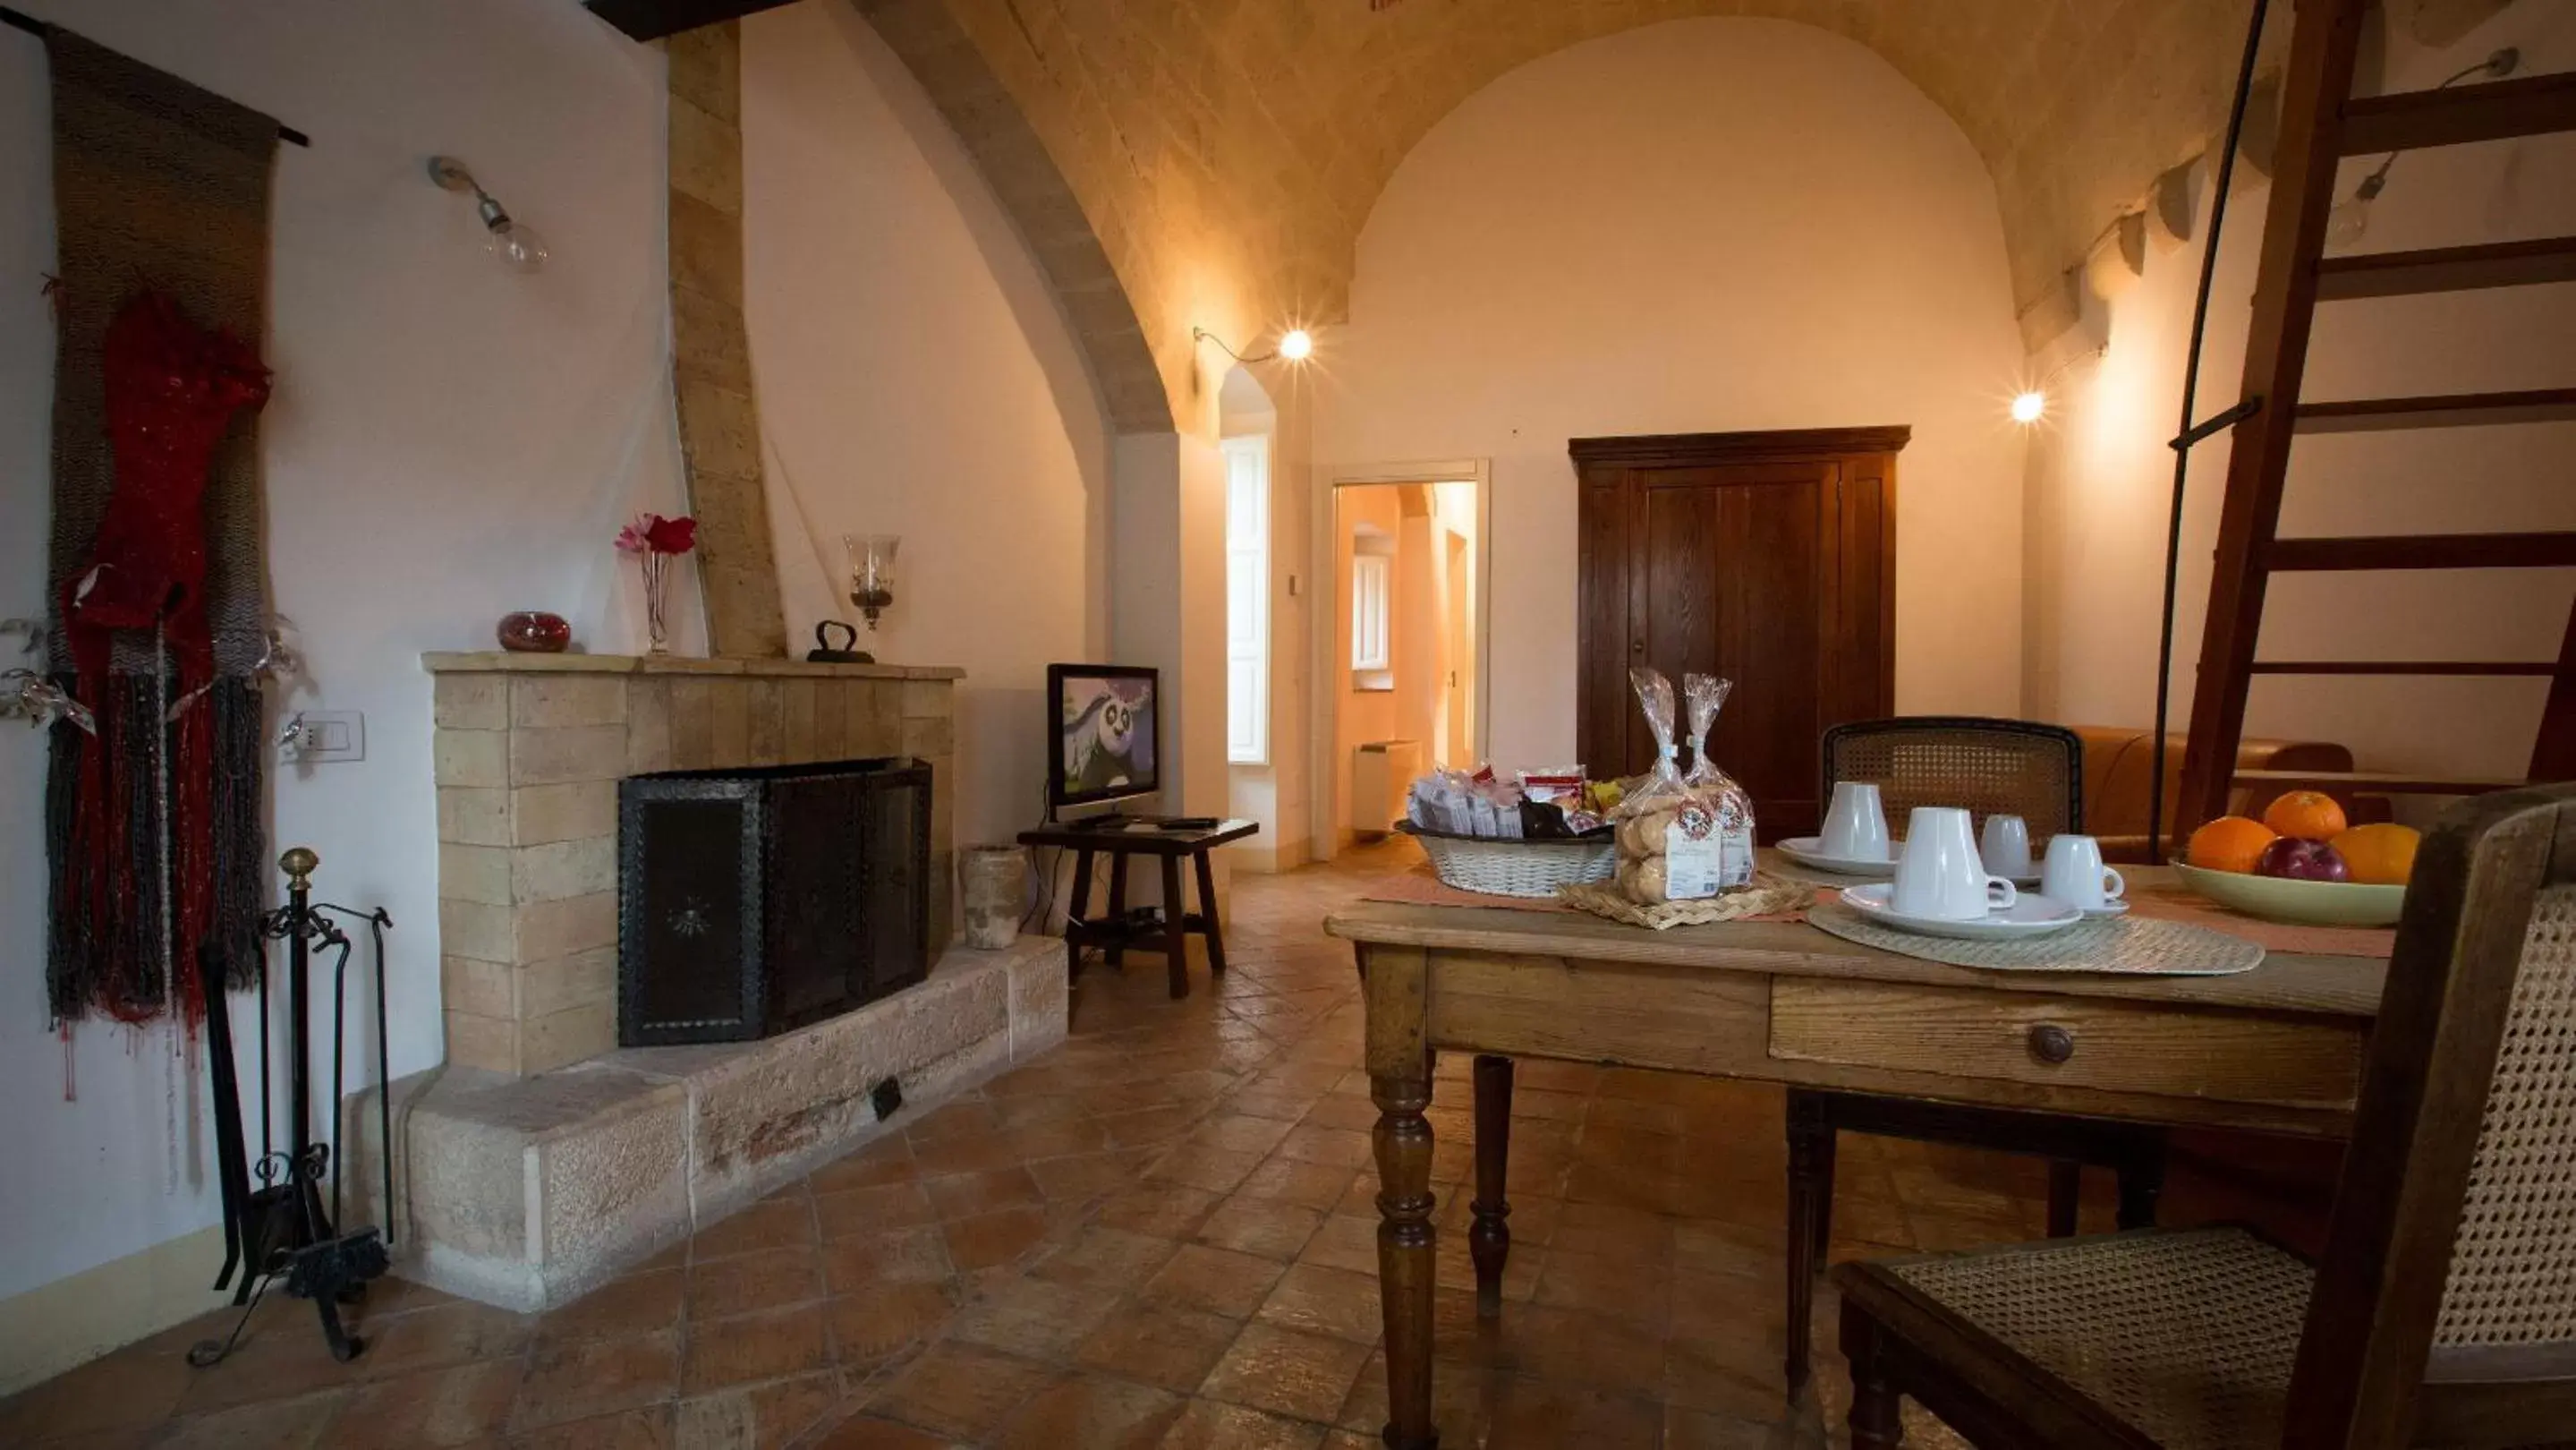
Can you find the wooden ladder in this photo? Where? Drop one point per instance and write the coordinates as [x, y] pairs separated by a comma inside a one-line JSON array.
[[2322, 123]]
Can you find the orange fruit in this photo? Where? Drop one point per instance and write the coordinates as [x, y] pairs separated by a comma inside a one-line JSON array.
[[2382, 855], [2310, 815], [2229, 843]]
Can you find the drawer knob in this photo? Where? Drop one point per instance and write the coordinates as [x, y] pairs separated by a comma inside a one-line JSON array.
[[2051, 1043]]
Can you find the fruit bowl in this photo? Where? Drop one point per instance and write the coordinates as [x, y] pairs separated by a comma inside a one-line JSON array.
[[2307, 903]]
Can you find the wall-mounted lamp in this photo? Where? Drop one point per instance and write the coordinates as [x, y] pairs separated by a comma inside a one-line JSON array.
[[2031, 404], [1295, 345], [514, 242], [2351, 216]]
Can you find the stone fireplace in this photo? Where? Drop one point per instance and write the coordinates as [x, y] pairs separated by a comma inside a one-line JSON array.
[[541, 1158], [529, 751]]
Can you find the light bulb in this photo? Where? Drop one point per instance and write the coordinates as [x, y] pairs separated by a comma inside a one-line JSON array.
[[2028, 407], [2351, 216], [1297, 345], [516, 244]]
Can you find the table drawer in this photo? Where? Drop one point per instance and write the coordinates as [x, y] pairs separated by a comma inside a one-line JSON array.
[[2088, 1042]]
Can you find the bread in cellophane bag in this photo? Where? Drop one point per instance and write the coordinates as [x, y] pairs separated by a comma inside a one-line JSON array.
[[1682, 837]]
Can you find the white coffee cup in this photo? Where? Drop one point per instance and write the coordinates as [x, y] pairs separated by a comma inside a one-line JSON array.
[[2075, 874], [1940, 875], [2005, 847], [1855, 824]]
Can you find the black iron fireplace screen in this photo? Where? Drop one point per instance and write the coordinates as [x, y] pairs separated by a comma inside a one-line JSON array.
[[756, 900]]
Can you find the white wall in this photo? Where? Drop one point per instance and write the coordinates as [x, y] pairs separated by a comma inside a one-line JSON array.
[[916, 378], [447, 441], [2101, 477], [1700, 226]]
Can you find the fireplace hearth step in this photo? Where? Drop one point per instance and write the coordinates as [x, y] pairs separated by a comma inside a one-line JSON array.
[[526, 1192]]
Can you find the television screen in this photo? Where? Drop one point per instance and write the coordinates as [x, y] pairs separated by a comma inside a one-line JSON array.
[[1105, 725]]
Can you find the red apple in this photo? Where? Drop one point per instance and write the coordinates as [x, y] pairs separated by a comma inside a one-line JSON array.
[[2296, 859]]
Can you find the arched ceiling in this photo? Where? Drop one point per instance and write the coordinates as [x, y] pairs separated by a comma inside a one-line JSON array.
[[1225, 153]]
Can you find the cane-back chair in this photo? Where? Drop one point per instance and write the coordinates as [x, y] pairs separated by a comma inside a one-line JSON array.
[[2443, 1312], [2010, 767]]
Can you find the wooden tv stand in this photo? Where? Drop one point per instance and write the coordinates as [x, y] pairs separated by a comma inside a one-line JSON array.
[[1121, 929]]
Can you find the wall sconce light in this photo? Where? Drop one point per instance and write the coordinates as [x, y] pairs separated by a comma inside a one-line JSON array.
[[2351, 216], [1295, 345], [514, 242], [2031, 404]]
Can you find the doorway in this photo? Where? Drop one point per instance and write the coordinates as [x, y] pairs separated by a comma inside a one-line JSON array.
[[1765, 558], [1402, 569]]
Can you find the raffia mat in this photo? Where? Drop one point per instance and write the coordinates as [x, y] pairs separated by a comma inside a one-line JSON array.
[[1768, 897], [2125, 945]]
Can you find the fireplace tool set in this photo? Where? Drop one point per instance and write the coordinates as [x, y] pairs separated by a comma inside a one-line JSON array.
[[282, 1229]]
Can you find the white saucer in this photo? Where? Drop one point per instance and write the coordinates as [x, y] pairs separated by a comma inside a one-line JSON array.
[[2107, 910], [2030, 915], [1809, 851]]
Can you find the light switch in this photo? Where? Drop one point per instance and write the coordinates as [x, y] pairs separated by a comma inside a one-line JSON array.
[[320, 736]]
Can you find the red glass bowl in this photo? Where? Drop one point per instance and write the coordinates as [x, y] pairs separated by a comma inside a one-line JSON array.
[[534, 632]]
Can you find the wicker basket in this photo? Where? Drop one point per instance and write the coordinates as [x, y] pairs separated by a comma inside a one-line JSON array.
[[1496, 867]]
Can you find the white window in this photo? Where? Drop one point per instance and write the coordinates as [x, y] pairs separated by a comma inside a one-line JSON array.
[[1369, 574], [1247, 600]]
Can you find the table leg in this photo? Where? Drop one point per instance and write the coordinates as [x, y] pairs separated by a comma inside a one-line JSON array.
[[1076, 910], [2142, 1182], [1489, 1239], [1176, 933], [1811, 1197], [1207, 912], [2065, 1196], [1396, 990], [1116, 952]]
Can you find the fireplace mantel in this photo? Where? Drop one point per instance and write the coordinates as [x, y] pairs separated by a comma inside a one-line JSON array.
[[528, 751]]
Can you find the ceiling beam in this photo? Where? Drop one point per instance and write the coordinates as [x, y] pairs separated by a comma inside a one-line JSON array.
[[654, 19]]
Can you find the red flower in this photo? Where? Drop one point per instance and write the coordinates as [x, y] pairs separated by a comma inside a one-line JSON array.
[[672, 536]]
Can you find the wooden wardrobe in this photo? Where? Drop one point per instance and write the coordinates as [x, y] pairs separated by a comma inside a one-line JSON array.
[[1767, 558]]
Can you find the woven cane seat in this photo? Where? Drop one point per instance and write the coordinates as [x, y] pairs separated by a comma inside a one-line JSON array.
[[2187, 1337]]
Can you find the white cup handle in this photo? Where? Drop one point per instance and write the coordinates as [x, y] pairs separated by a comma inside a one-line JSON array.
[[2113, 888], [2010, 895]]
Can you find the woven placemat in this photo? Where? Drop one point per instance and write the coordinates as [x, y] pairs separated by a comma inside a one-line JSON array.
[[1766, 896], [2127, 944]]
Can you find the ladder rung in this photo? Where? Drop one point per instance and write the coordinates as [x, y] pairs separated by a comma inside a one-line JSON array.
[[2494, 111], [2405, 667], [2371, 782], [2451, 410], [2424, 551], [2447, 269]]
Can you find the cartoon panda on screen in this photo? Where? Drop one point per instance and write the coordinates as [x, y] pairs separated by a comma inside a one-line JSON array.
[[1109, 738]]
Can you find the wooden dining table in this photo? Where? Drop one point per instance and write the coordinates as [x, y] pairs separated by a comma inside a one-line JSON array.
[[2277, 1049]]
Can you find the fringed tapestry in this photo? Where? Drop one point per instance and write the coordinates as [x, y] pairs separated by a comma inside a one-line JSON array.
[[160, 618]]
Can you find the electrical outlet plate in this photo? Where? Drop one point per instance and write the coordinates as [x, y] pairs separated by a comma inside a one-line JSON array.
[[331, 735]]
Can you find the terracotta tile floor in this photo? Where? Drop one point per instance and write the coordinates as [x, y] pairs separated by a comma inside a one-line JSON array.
[[1161, 1235]]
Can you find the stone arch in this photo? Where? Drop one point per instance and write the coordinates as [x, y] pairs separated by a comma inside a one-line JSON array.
[[1033, 190], [1180, 166]]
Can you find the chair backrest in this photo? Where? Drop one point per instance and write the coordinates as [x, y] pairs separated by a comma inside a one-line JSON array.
[[2013, 767], [2445, 1309]]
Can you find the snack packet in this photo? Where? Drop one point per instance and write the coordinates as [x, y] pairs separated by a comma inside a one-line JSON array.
[[1705, 696], [1680, 841]]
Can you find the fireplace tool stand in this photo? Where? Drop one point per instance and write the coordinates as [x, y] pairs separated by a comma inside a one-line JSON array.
[[283, 1229]]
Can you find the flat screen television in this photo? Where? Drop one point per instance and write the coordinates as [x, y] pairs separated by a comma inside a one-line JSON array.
[[1106, 724]]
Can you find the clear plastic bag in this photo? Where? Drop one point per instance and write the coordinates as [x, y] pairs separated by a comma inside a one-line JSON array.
[[1682, 837]]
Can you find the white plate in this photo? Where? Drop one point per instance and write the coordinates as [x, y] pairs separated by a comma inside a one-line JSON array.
[[1809, 851], [2030, 915], [2108, 909]]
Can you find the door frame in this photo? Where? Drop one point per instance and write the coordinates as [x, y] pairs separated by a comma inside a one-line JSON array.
[[1323, 828]]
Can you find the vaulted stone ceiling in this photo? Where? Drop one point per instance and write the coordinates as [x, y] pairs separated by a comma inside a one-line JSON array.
[[1222, 155]]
